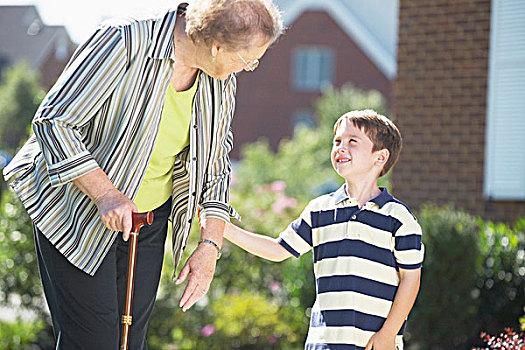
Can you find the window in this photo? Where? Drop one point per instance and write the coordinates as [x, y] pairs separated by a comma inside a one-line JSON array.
[[505, 137], [312, 68]]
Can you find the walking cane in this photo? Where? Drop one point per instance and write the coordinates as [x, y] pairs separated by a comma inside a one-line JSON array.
[[137, 221]]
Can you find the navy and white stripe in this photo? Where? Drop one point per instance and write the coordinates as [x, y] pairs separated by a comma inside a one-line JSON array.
[[104, 111], [357, 257]]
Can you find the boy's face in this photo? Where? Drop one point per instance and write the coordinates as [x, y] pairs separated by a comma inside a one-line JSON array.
[[352, 156]]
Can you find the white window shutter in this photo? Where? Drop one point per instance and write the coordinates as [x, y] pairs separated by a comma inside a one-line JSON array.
[[505, 137]]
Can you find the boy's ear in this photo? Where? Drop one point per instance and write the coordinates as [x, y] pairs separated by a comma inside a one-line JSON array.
[[382, 156]]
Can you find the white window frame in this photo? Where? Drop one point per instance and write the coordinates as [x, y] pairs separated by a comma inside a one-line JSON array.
[[505, 128]]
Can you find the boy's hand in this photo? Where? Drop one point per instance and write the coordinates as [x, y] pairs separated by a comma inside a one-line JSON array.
[[381, 341]]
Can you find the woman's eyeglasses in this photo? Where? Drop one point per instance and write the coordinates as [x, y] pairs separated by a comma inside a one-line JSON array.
[[250, 67]]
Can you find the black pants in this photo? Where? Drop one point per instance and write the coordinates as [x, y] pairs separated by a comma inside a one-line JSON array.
[[86, 310]]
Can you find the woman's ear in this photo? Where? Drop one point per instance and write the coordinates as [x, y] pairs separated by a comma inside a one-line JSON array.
[[215, 48]]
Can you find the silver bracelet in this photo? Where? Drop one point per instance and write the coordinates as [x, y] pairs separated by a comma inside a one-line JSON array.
[[219, 251]]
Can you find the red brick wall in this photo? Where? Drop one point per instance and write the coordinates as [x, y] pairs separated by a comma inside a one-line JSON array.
[[440, 98], [266, 99], [51, 68]]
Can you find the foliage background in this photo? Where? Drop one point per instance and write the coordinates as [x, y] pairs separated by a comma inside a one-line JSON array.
[[20, 96]]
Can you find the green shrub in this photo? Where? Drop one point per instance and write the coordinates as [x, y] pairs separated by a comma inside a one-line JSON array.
[[20, 285], [501, 279], [250, 321], [19, 334], [444, 316], [20, 95], [473, 279]]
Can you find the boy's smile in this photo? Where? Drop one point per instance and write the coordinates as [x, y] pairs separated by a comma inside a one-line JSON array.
[[339, 159]]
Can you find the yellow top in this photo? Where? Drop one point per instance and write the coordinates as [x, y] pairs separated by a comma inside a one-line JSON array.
[[173, 136]]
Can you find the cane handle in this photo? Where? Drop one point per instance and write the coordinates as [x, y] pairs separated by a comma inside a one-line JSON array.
[[140, 219]]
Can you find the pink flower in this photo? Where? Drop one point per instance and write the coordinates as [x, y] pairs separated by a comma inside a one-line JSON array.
[[282, 203], [272, 339], [275, 286], [207, 330], [291, 202], [278, 186]]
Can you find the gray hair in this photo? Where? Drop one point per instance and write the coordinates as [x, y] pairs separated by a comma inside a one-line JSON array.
[[233, 23]]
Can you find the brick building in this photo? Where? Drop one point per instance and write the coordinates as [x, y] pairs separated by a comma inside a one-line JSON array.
[[459, 98], [329, 42], [24, 37]]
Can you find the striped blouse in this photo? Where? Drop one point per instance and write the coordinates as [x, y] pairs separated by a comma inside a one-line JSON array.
[[104, 112], [357, 255]]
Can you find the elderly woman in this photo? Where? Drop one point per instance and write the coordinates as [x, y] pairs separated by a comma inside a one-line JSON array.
[[139, 120]]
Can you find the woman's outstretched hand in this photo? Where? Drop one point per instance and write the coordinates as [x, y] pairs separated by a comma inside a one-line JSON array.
[[200, 266], [199, 270]]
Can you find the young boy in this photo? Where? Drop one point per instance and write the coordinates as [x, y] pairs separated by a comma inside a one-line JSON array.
[[367, 245]]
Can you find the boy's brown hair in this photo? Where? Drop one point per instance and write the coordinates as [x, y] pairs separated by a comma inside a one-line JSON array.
[[380, 130]]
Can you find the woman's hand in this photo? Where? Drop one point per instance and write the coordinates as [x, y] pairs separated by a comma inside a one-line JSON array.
[[200, 268], [114, 207], [115, 211]]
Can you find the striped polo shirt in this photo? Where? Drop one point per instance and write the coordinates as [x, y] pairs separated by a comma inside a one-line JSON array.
[[104, 112], [357, 256]]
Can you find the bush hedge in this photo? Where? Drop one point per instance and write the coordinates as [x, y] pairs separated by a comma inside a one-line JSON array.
[[473, 279]]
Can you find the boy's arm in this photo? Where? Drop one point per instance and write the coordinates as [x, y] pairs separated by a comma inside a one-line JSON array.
[[405, 297], [260, 245]]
